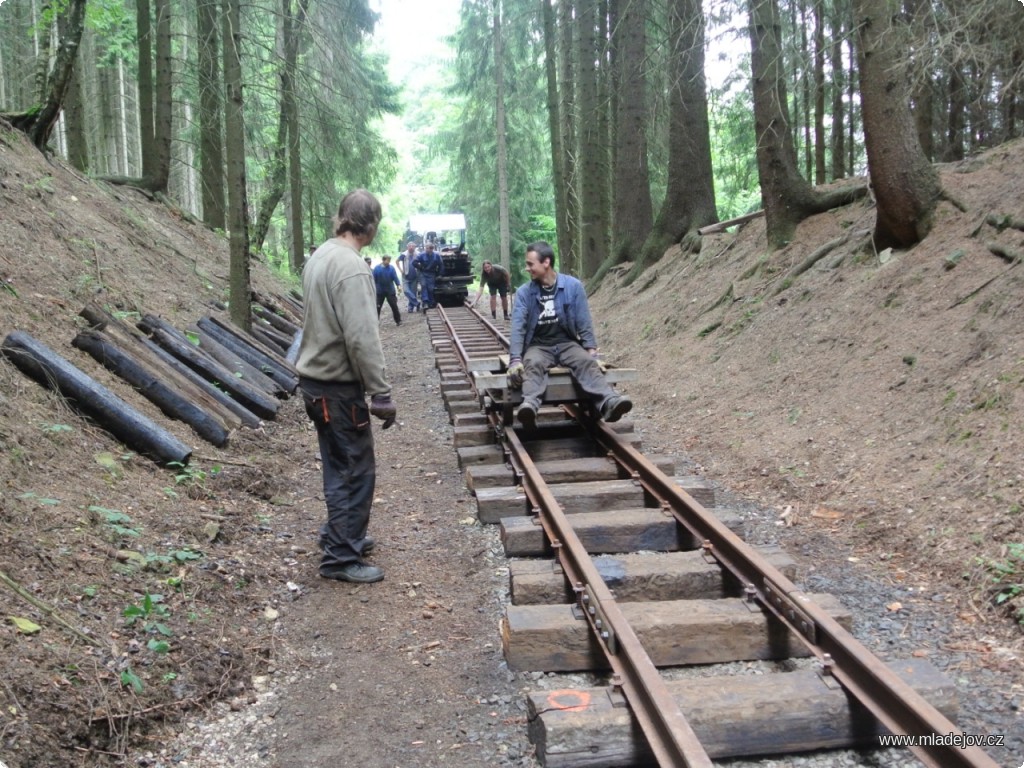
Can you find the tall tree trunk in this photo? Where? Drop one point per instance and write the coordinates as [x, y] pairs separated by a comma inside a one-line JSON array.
[[851, 125], [570, 254], [606, 126], [805, 92], [147, 137], [211, 159], [74, 115], [631, 184], [38, 122], [922, 96], [788, 197], [504, 237], [819, 92], [905, 184], [690, 194], [239, 282], [558, 158], [957, 109], [163, 96], [297, 249], [592, 168], [835, 61], [277, 176]]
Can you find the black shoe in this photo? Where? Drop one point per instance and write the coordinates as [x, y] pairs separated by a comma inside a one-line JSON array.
[[357, 573], [528, 415], [616, 407], [368, 545]]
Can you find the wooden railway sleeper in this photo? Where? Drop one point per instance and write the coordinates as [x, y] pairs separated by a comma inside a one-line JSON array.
[[669, 735], [895, 704], [671, 739]]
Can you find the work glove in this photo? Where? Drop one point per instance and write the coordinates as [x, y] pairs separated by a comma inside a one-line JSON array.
[[515, 373], [383, 408]]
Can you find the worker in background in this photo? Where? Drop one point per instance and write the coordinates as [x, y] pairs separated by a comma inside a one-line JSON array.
[[498, 282]]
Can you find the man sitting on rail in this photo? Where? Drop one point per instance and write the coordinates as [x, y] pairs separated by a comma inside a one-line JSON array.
[[551, 326]]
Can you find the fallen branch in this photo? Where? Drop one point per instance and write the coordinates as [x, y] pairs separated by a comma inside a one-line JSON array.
[[983, 286], [816, 255], [953, 200], [47, 609], [726, 298], [721, 226], [1004, 221], [1005, 252]]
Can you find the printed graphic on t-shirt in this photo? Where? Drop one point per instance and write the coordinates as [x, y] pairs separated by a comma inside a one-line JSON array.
[[548, 315]]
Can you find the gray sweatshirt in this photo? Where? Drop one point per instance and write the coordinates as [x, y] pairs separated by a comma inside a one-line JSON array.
[[340, 332]]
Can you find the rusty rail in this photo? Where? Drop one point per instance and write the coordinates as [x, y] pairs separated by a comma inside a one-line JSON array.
[[669, 735], [898, 706], [671, 739]]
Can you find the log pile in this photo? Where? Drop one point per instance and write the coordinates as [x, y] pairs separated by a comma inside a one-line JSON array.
[[213, 377]]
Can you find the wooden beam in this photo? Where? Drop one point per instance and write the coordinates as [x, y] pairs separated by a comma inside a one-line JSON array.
[[625, 530], [552, 638], [733, 716], [635, 577], [559, 471], [598, 496]]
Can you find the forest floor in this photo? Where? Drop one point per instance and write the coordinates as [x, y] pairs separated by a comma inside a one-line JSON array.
[[869, 410]]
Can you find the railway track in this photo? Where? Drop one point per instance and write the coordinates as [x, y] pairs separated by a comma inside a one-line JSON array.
[[622, 569]]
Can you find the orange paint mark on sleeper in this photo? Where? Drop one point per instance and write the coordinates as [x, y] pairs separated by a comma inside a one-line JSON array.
[[569, 700]]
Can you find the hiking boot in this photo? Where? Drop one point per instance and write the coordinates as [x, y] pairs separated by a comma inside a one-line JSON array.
[[358, 573], [615, 407], [528, 415]]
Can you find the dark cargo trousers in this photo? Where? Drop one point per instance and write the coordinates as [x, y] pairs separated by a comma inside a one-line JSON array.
[[342, 421], [585, 369]]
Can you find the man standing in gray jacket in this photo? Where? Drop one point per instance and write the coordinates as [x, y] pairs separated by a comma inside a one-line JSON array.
[[340, 362]]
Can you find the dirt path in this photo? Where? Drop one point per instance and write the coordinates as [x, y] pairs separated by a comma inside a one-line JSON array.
[[407, 672]]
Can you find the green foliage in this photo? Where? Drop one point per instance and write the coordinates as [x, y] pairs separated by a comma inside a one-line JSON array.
[[44, 500], [150, 612], [472, 153], [130, 680], [192, 476], [115, 27], [1006, 577], [114, 519], [56, 428], [731, 118]]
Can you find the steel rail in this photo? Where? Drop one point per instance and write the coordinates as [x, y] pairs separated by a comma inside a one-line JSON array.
[[460, 350], [896, 705], [454, 336], [669, 735]]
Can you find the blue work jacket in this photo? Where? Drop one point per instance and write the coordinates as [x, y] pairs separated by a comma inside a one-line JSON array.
[[571, 305]]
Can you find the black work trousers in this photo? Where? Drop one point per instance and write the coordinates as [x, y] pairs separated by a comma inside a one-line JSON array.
[[342, 421], [392, 301]]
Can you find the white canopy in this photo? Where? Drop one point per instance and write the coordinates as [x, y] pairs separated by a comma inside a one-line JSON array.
[[437, 222]]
